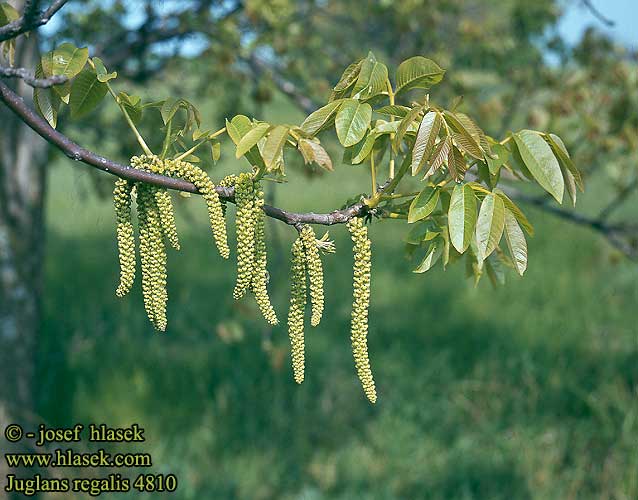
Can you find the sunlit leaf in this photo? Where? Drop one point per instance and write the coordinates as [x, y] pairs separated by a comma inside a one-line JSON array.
[[66, 60], [463, 138], [274, 145], [423, 204], [321, 118], [515, 242], [489, 225], [541, 162], [237, 128], [251, 138], [418, 72], [462, 217], [565, 161], [349, 76], [352, 121], [86, 93], [404, 125]]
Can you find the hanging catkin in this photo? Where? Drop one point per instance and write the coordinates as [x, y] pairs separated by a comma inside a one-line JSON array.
[[259, 283], [296, 311], [125, 235], [245, 222], [315, 273], [361, 304]]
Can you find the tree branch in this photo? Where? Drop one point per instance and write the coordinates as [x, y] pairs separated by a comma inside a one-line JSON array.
[[30, 79], [29, 20], [78, 153]]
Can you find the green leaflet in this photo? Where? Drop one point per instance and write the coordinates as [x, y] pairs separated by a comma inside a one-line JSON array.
[[404, 125], [424, 142], [431, 257], [518, 213], [321, 118], [418, 72], [365, 149], [46, 101], [314, 152], [423, 204], [274, 145], [515, 242], [372, 78], [541, 162], [490, 224], [352, 121], [462, 217], [86, 93], [251, 138], [393, 110], [100, 70]]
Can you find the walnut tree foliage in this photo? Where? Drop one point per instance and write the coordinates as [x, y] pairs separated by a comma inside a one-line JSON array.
[[431, 168]]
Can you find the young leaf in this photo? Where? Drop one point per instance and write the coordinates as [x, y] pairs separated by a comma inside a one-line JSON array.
[[423, 204], [418, 72], [440, 155], [251, 138], [352, 121], [490, 223], [456, 164], [66, 60], [462, 217], [565, 161], [314, 152], [86, 93], [365, 149], [372, 78], [321, 118], [215, 151], [515, 242], [424, 142], [541, 162], [349, 76], [404, 125], [169, 108], [237, 128], [100, 70], [500, 154], [393, 110], [274, 145], [517, 212], [132, 105], [463, 138]]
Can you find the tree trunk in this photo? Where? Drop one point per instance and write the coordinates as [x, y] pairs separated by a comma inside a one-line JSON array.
[[22, 192]]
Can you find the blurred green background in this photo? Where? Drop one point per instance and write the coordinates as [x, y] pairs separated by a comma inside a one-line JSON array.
[[529, 391]]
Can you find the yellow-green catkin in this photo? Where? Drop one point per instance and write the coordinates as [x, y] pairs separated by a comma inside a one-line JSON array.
[[360, 305], [191, 173], [259, 284], [315, 273], [125, 235], [297, 308], [245, 222], [228, 181], [167, 216], [153, 257]]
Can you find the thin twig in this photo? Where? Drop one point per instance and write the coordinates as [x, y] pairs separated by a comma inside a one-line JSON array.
[[29, 20], [30, 79]]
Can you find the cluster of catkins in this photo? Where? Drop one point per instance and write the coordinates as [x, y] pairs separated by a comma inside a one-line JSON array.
[[305, 260], [252, 273], [156, 226]]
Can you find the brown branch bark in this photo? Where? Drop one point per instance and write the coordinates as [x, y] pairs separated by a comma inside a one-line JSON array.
[[80, 154], [29, 20], [29, 78]]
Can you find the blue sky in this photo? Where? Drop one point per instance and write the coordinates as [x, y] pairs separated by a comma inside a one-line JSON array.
[[624, 13]]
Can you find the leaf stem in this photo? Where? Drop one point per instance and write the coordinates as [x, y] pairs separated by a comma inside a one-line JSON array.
[[200, 143], [129, 121], [373, 175], [391, 97]]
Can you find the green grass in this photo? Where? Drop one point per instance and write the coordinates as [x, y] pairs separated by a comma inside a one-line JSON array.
[[529, 391]]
